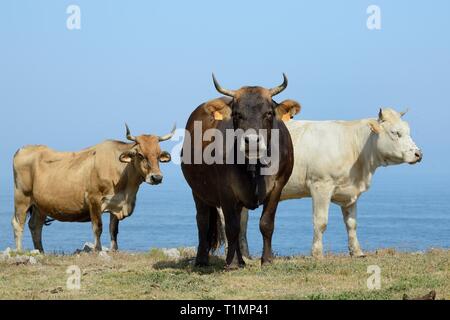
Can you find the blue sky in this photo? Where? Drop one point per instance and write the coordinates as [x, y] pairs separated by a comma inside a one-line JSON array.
[[149, 63]]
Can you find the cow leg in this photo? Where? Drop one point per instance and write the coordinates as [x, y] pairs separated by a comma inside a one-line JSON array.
[[113, 231], [97, 224], [22, 204], [35, 224], [267, 224], [232, 226], [321, 196], [349, 214], [243, 244], [204, 231]]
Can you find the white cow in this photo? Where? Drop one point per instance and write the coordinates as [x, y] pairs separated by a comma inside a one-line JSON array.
[[334, 161]]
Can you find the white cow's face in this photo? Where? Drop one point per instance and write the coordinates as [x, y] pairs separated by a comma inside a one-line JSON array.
[[394, 142]]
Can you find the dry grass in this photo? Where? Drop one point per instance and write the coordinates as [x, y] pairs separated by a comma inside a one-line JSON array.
[[153, 276]]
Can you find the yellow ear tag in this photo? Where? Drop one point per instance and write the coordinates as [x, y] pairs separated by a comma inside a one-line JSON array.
[[286, 117], [375, 127], [218, 115]]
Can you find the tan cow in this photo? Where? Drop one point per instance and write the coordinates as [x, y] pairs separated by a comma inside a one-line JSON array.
[[80, 186]]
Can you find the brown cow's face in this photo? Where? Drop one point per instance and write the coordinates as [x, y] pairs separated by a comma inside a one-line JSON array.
[[145, 157], [253, 108], [254, 113]]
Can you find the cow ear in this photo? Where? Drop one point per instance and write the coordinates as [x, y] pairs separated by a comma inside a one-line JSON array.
[[287, 109], [127, 156], [165, 157], [218, 109], [375, 126]]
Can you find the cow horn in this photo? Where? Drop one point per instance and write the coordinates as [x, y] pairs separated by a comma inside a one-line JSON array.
[[129, 136], [230, 93], [404, 112], [280, 88], [169, 135]]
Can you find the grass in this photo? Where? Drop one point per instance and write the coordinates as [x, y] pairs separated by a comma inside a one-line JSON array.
[[153, 276]]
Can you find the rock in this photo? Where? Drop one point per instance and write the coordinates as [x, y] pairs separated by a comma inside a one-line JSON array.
[[190, 251], [23, 258], [7, 251], [105, 256], [172, 253], [89, 247], [35, 252], [56, 290], [19, 260], [6, 254], [32, 260], [429, 296]]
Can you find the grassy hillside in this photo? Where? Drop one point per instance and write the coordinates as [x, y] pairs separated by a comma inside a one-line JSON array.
[[154, 276]]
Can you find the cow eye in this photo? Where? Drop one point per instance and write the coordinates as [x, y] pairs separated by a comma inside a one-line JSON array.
[[238, 115], [141, 156], [397, 134]]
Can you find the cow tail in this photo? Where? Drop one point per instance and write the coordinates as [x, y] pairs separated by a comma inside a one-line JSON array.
[[217, 223], [213, 237]]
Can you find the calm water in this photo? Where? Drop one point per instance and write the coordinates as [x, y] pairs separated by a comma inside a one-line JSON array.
[[400, 211]]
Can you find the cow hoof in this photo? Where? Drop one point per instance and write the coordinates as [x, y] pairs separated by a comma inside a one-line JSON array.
[[201, 263], [114, 246], [358, 255], [266, 262], [317, 252], [231, 267]]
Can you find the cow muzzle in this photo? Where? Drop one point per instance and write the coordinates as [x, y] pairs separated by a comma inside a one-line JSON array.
[[154, 179], [418, 157]]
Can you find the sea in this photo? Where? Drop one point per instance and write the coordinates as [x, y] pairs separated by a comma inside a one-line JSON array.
[[402, 210]]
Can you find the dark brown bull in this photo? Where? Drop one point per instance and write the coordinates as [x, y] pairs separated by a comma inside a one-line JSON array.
[[232, 186]]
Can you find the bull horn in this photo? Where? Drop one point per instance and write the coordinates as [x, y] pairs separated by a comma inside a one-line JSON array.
[[169, 135], [230, 93], [404, 112], [129, 136], [280, 88]]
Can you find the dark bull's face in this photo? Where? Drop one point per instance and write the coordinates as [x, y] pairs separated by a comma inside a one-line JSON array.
[[146, 155], [254, 113]]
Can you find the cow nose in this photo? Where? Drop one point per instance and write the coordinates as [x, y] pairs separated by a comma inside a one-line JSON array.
[[418, 155], [156, 178]]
